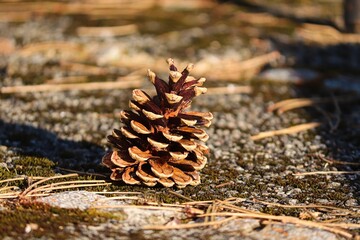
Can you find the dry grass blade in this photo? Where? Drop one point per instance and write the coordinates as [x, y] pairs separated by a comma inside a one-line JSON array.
[[12, 180], [82, 173], [303, 206], [180, 195], [286, 219], [7, 196], [119, 198], [198, 202], [325, 34], [69, 184], [189, 225], [225, 184], [107, 31], [290, 104], [28, 189], [130, 193], [32, 48], [333, 161], [4, 189], [290, 130], [178, 209], [83, 68], [66, 80], [71, 86], [326, 173], [229, 90]]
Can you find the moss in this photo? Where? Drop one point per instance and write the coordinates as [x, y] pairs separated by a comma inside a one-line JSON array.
[[34, 166], [6, 174], [294, 212], [49, 221]]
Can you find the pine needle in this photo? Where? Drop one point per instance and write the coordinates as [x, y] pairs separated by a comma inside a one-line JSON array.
[[326, 173], [285, 131]]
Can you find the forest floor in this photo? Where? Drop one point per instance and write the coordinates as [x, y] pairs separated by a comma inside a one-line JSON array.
[[283, 85]]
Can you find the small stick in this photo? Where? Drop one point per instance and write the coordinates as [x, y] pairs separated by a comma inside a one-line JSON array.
[[326, 173], [290, 130]]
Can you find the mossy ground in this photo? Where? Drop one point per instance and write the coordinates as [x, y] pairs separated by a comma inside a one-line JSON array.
[[42, 220]]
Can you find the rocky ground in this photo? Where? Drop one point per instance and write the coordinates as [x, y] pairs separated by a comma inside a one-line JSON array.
[[69, 128]]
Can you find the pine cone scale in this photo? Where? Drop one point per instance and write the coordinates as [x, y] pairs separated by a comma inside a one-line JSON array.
[[161, 168]]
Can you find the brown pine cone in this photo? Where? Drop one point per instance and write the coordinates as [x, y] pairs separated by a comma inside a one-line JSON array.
[[160, 142]]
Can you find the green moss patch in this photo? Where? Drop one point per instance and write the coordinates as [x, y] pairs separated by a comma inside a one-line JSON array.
[[31, 220]]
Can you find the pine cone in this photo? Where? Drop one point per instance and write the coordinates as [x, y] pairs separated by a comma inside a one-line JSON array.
[[160, 142]]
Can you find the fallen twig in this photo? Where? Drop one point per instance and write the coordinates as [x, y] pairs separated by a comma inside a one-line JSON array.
[[290, 130]]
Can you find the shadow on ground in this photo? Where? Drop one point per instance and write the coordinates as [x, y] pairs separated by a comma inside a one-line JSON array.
[[30, 141]]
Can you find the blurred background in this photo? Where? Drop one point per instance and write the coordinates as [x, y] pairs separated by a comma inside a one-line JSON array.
[[90, 41]]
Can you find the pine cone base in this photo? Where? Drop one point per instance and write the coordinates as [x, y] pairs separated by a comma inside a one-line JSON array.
[[160, 142]]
